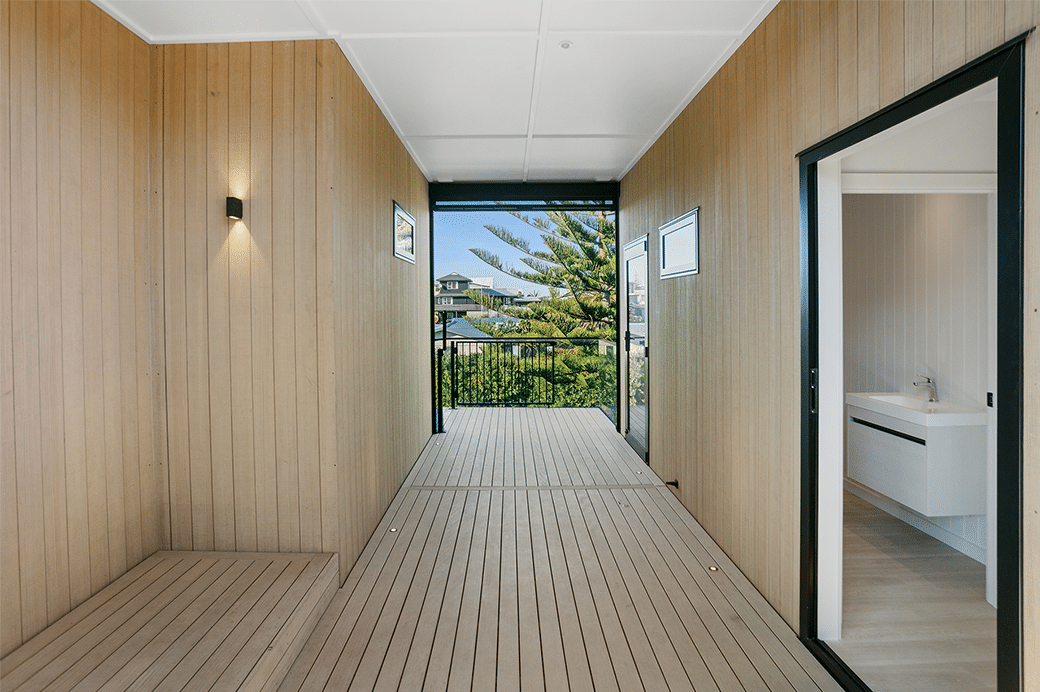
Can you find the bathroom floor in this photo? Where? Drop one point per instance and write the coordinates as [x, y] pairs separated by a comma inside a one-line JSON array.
[[915, 612]]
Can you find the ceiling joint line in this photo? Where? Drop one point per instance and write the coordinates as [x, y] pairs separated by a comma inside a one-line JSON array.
[[688, 33], [417, 35], [313, 17], [539, 61]]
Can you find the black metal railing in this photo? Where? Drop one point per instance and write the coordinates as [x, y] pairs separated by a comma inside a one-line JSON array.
[[538, 371]]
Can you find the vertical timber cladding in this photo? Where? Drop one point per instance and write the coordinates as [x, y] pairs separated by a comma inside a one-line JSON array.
[[827, 64], [81, 442], [382, 312], [295, 350]]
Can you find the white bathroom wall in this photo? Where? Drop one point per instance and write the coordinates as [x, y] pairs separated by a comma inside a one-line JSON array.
[[916, 297]]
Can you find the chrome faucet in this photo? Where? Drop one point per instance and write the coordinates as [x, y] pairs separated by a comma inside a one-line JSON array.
[[930, 383]]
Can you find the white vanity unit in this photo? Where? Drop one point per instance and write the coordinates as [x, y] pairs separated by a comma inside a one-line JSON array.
[[927, 455]]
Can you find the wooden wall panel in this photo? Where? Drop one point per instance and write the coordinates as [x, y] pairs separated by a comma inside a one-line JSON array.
[[239, 349], [284, 384], [24, 467], [49, 249], [381, 357], [892, 68], [176, 322], [917, 39], [725, 417], [151, 312], [196, 295], [868, 59], [218, 309], [79, 415], [325, 270], [281, 262], [10, 608], [68, 505]]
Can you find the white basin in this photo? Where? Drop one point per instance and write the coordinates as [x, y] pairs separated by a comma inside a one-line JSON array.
[[927, 455], [917, 410]]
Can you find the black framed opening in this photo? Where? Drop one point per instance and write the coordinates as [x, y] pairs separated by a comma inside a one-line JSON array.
[[519, 197], [635, 255], [1006, 65]]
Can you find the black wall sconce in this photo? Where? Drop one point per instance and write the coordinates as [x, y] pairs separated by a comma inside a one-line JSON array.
[[234, 208]]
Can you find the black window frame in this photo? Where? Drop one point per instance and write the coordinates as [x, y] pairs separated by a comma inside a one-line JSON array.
[[527, 196]]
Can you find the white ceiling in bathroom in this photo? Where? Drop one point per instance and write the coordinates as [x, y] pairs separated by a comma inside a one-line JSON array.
[[486, 89], [959, 136]]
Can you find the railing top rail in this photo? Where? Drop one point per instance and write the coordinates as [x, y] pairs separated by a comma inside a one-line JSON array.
[[534, 339]]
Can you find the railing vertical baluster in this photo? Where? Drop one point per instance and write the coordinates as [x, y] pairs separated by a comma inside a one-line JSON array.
[[553, 375], [539, 356], [440, 390], [543, 362], [454, 375]]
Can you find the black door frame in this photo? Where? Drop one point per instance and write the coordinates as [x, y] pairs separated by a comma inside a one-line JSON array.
[[1006, 65], [641, 447]]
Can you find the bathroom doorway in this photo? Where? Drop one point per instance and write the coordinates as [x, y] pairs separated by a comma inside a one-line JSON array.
[[871, 325]]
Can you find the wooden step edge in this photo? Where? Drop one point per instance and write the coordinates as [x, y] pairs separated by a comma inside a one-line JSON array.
[[274, 664]]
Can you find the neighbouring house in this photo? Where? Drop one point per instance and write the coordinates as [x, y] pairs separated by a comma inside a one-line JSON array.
[[526, 301], [451, 300]]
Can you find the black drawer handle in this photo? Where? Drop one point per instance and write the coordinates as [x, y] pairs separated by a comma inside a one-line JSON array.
[[916, 440]]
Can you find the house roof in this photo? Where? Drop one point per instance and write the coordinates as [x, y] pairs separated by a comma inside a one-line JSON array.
[[501, 321], [499, 292], [459, 327], [454, 276]]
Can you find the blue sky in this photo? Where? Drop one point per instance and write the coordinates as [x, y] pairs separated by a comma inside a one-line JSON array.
[[456, 232]]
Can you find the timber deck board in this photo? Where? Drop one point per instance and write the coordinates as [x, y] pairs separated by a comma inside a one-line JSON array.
[[531, 549]]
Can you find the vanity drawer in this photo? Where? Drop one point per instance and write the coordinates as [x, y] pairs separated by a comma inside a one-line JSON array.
[[893, 466]]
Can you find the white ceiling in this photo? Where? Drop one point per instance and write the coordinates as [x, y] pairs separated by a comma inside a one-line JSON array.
[[957, 136], [482, 89]]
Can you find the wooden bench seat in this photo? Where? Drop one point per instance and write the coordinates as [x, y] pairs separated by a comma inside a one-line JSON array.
[[183, 621]]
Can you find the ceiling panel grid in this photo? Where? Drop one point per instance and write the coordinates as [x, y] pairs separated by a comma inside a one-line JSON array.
[[496, 90]]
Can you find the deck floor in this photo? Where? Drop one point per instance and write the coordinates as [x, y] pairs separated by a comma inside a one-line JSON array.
[[531, 549]]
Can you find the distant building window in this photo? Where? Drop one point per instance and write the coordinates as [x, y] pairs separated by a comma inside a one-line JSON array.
[[444, 300], [451, 285]]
